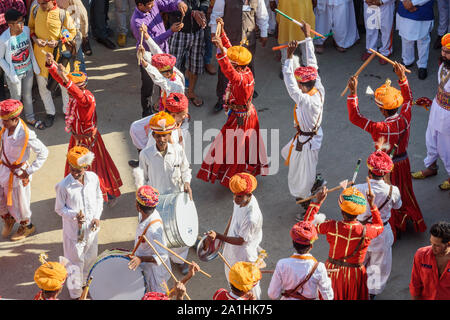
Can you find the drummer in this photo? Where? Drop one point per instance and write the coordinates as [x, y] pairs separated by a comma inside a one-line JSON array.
[[151, 225], [245, 229], [165, 166]]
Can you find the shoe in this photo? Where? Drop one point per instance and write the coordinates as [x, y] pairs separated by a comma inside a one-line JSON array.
[[281, 75], [184, 269], [365, 56], [133, 163], [210, 69], [49, 120], [107, 43], [423, 73], [437, 43], [219, 106], [421, 175], [407, 66], [340, 49], [122, 40], [319, 48], [372, 296], [255, 94], [23, 232], [112, 202], [86, 47], [318, 183], [444, 186], [8, 226]]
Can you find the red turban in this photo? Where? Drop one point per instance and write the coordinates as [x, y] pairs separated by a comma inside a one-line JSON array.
[[163, 61], [147, 196], [177, 102], [155, 296], [10, 109], [304, 232], [305, 74], [380, 163]]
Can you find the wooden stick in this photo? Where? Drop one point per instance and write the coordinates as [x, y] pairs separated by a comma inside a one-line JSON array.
[[298, 23], [218, 30], [286, 45], [368, 184], [162, 261], [179, 257], [267, 271], [86, 289], [313, 196], [224, 260], [364, 65], [386, 59]]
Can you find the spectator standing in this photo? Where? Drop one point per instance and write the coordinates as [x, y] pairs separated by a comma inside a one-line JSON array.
[[122, 7], [99, 22], [444, 21], [208, 43]]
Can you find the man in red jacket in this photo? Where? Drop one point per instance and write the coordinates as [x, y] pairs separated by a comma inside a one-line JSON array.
[[430, 277]]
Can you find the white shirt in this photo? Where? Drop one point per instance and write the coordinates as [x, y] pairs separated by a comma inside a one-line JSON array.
[[262, 16], [246, 223], [12, 145], [439, 117], [72, 196], [167, 174], [309, 109], [414, 30], [289, 272]]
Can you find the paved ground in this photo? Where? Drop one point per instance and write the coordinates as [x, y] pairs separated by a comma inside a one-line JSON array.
[[114, 79]]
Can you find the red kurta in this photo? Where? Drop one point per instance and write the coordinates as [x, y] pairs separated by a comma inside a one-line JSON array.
[[239, 146], [425, 281], [349, 283], [395, 130], [223, 294], [84, 132]]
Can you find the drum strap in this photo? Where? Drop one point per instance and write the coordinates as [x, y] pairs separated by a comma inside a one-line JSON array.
[[141, 238]]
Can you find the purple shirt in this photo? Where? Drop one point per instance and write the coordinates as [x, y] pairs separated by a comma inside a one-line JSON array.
[[154, 22]]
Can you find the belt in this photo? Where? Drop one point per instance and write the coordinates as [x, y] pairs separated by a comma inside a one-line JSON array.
[[344, 264], [308, 134], [443, 99], [400, 157]]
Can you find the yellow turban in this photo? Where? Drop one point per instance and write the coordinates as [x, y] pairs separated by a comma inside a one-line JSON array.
[[239, 54], [388, 97], [50, 276], [244, 275], [162, 123], [80, 157], [242, 183], [445, 41], [352, 201]]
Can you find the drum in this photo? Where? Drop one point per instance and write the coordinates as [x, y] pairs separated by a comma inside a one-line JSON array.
[[113, 280], [180, 219], [208, 250]]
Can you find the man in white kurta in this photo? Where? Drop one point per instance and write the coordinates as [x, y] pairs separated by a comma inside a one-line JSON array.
[[79, 202], [309, 99], [379, 19], [16, 181], [337, 16]]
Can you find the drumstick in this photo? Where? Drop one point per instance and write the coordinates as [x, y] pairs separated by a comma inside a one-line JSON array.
[[386, 59], [218, 30], [179, 257], [364, 65], [142, 39], [368, 185], [328, 191], [86, 289], [165, 265], [224, 260]]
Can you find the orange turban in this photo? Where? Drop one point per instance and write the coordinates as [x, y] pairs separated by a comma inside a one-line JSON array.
[[80, 157], [239, 54], [244, 275], [388, 97], [78, 77], [445, 41], [162, 123], [50, 276], [242, 183], [352, 201]]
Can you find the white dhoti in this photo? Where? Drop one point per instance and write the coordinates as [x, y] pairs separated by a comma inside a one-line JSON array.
[[444, 17], [340, 19], [155, 275], [438, 144], [183, 252], [21, 197], [379, 20]]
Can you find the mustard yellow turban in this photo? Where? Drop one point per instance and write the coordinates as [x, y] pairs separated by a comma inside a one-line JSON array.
[[388, 97], [80, 157], [242, 183], [162, 123], [352, 201], [50, 276], [244, 275], [239, 54], [445, 41]]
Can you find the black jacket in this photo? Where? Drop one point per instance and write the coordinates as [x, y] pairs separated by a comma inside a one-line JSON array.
[[190, 25]]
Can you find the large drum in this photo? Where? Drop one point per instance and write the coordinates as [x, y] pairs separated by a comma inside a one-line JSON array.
[[113, 280], [180, 219]]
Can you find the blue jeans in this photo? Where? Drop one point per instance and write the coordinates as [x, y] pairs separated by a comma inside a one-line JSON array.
[[23, 91], [208, 46], [80, 57]]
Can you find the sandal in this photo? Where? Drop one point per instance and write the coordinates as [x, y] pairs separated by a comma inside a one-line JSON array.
[[38, 124], [196, 101], [421, 175]]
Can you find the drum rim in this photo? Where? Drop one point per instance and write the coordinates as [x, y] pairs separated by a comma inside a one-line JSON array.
[[212, 255]]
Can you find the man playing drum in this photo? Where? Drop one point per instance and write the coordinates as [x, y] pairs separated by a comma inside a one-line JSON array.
[[245, 229], [165, 165], [79, 201], [150, 225]]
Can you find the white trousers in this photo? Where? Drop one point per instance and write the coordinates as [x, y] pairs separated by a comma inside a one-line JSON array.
[[46, 96], [272, 17], [444, 17], [378, 265], [341, 20], [183, 252], [123, 7], [438, 146], [21, 197], [302, 169], [82, 256], [384, 16], [423, 49]]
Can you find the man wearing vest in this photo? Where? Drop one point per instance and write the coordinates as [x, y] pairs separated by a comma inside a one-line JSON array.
[[349, 240], [415, 20], [378, 260], [437, 136], [16, 142], [301, 276], [240, 19], [302, 152]]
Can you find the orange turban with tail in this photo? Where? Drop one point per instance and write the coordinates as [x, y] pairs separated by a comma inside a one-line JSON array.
[[242, 183], [387, 97]]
